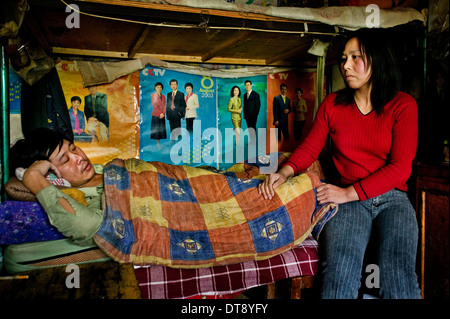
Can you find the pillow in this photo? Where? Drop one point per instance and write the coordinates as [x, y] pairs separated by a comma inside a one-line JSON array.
[[16, 190], [24, 222], [27, 221], [23, 219]]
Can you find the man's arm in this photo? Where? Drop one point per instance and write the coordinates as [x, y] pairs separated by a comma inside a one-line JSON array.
[[34, 179]]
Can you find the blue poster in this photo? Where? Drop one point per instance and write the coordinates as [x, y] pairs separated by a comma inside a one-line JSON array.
[[237, 113], [15, 87], [197, 120], [177, 128]]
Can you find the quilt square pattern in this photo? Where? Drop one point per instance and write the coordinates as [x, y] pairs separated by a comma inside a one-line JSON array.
[[271, 231], [196, 218]]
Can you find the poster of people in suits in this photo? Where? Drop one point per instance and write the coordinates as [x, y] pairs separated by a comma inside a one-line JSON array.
[[283, 106], [177, 117]]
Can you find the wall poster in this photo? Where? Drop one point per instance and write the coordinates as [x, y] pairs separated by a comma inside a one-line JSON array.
[[182, 133], [290, 131], [211, 132], [105, 118], [238, 143], [175, 117]]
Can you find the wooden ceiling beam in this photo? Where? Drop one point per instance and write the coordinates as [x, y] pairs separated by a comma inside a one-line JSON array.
[[243, 35], [137, 42], [288, 53], [162, 57]]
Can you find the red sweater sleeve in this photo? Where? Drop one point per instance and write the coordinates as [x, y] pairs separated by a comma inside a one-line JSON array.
[[397, 169], [307, 153], [372, 152]]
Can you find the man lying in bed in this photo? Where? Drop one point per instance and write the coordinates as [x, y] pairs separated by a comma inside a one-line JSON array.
[[46, 151], [167, 214]]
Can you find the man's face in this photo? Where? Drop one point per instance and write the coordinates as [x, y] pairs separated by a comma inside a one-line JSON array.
[[73, 164], [173, 86], [248, 86], [283, 90], [92, 90]]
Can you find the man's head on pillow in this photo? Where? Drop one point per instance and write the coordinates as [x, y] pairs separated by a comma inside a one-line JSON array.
[[43, 146]]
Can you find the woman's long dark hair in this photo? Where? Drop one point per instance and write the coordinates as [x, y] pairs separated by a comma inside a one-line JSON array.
[[378, 48]]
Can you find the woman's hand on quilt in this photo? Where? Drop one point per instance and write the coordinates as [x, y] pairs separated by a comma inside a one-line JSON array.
[[34, 178], [272, 181], [328, 193]]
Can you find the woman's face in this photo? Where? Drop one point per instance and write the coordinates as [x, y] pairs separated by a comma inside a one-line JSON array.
[[75, 104], [188, 89], [158, 89], [236, 91], [353, 66]]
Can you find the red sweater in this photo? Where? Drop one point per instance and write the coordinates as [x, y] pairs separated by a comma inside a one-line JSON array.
[[372, 153]]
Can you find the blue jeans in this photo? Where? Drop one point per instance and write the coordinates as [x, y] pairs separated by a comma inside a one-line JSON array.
[[389, 217]]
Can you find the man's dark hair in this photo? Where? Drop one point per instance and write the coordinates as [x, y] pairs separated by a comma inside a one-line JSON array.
[[38, 145]]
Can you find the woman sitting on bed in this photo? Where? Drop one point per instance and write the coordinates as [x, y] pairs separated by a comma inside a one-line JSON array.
[[373, 129], [45, 151]]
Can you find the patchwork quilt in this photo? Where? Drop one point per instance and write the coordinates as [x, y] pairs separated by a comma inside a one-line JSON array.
[[190, 217]]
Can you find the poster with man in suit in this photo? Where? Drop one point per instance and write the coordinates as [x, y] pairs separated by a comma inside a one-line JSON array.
[[281, 110], [252, 105], [97, 116], [175, 107]]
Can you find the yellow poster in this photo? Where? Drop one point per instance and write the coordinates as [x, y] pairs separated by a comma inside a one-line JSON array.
[[104, 118]]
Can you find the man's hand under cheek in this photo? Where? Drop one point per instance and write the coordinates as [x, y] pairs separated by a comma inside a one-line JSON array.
[[34, 177]]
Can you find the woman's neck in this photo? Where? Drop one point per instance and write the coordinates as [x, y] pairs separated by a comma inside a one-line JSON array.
[[362, 100]]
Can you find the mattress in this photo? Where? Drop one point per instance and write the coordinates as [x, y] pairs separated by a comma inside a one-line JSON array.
[[38, 255]]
